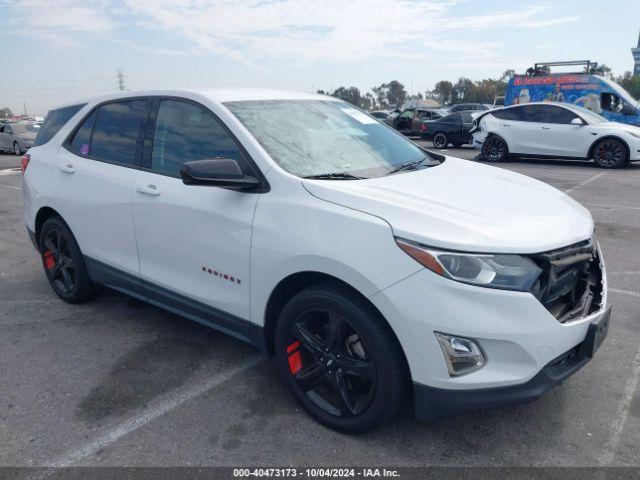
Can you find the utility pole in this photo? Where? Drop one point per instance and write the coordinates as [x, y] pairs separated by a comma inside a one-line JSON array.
[[120, 80], [24, 105]]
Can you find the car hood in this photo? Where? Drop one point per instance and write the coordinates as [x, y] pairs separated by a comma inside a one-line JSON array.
[[461, 205]]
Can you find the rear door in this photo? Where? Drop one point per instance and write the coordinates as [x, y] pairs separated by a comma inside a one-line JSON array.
[[194, 241], [93, 174], [558, 136], [518, 126], [5, 137]]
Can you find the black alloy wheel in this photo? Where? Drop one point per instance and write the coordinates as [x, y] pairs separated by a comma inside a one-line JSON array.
[[495, 149], [340, 359], [63, 262], [610, 153], [329, 363], [440, 140]]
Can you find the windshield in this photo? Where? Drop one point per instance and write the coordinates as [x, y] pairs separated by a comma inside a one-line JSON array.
[[319, 137]]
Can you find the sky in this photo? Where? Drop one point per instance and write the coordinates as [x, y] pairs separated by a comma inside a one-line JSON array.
[[55, 51]]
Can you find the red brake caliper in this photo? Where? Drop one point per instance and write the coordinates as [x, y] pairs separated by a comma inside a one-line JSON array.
[[49, 260], [295, 360]]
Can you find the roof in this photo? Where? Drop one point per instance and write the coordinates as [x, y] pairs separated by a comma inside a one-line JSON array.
[[220, 94]]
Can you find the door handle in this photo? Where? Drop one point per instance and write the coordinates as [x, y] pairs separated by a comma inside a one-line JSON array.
[[506, 124], [68, 168], [546, 128], [150, 190]]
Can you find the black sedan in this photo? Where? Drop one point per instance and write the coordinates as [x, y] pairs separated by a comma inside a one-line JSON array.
[[451, 129]]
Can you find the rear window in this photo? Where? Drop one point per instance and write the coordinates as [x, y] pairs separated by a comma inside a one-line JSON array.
[[55, 120]]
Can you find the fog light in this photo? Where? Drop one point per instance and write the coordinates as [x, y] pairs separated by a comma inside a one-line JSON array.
[[461, 355]]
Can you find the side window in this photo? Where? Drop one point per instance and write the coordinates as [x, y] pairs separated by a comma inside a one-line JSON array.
[[553, 114], [116, 131], [610, 102], [2, 129], [8, 129], [407, 114], [54, 121], [82, 139], [423, 114], [186, 132], [451, 118], [466, 117]]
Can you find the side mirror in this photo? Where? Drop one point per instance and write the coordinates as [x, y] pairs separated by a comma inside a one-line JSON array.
[[218, 172], [577, 121]]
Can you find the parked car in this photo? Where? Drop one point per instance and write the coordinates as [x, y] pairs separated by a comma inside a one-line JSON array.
[[464, 107], [599, 94], [372, 268], [379, 114], [409, 121], [555, 130], [452, 129], [18, 137]]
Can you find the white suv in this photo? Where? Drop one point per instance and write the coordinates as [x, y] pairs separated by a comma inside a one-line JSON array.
[[373, 269], [555, 130]]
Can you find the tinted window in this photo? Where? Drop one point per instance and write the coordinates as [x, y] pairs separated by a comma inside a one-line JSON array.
[[115, 135], [525, 113], [82, 138], [466, 117], [54, 121], [186, 132], [553, 114], [451, 118]]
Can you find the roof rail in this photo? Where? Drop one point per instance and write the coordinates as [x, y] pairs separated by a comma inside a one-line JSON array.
[[542, 68]]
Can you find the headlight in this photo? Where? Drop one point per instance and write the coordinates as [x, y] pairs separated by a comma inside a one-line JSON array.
[[508, 272], [635, 134]]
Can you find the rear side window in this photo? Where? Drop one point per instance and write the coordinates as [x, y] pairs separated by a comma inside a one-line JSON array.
[[186, 132], [451, 118], [82, 139], [117, 132], [525, 113], [55, 120]]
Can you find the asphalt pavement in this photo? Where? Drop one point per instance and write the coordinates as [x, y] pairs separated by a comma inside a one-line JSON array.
[[119, 382]]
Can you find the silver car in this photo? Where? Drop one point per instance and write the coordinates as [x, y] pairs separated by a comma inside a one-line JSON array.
[[18, 137]]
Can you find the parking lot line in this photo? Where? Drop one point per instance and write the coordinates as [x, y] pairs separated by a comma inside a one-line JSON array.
[[585, 182], [11, 187], [620, 419], [148, 415], [625, 292]]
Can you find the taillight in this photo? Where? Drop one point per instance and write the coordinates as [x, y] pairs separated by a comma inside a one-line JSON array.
[[24, 162], [423, 128]]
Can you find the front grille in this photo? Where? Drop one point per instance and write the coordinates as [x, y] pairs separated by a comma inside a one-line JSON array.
[[570, 285]]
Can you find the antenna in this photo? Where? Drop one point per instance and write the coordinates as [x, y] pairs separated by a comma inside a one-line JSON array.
[[120, 80]]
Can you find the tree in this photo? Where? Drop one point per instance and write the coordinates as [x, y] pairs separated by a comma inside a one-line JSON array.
[[443, 91], [5, 112], [351, 95], [631, 83], [461, 89], [396, 94]]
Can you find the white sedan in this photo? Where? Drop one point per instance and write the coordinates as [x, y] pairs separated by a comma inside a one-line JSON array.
[[555, 130]]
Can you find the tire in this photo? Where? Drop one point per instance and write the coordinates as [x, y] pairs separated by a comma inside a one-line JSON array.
[[610, 153], [362, 359], [63, 262], [17, 149], [440, 141], [494, 149]]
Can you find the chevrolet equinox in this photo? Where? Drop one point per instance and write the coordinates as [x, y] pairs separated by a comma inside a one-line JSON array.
[[382, 276]]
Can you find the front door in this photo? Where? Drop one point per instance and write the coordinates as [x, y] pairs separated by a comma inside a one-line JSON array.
[[193, 241], [558, 136]]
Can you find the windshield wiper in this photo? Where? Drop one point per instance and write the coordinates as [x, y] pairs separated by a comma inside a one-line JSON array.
[[407, 166], [335, 176]]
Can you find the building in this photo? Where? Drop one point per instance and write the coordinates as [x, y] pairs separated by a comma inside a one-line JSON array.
[[636, 58]]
